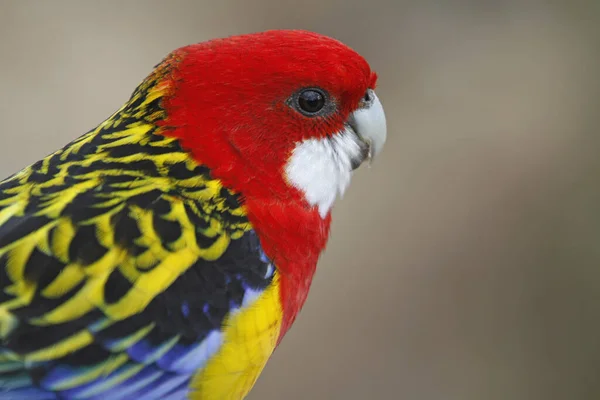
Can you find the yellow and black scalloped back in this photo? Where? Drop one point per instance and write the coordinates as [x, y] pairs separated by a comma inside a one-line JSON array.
[[127, 271]]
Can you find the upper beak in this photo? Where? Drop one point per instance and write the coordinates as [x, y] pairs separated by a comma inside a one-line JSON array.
[[368, 122]]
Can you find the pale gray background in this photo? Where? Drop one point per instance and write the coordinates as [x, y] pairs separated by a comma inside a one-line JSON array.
[[464, 264]]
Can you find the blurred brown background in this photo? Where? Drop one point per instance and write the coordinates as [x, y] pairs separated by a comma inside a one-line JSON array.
[[465, 263]]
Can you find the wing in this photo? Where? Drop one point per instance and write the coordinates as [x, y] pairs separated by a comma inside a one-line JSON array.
[[115, 285]]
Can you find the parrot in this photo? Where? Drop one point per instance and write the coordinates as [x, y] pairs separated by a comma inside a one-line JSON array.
[[165, 253]]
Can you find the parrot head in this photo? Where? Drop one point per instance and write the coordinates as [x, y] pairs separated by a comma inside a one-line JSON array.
[[282, 114]]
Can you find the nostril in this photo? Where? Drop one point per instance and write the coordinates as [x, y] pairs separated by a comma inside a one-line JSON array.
[[367, 97]]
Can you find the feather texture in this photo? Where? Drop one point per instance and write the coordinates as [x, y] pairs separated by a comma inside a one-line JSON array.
[[126, 271], [165, 253]]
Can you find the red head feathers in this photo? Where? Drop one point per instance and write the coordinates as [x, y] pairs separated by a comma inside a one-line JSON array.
[[231, 97], [281, 117]]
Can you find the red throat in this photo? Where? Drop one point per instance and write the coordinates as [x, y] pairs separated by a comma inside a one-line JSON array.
[[294, 238]]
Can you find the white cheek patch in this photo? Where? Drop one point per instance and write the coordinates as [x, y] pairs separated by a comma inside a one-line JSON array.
[[322, 168]]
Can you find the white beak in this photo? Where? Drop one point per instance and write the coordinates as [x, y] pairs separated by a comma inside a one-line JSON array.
[[369, 123]]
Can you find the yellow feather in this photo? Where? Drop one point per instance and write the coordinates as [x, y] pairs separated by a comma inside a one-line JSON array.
[[61, 239], [250, 336], [90, 296], [7, 323], [69, 278], [148, 285], [62, 348], [13, 209]]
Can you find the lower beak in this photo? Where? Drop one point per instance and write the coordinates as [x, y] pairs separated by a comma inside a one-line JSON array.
[[368, 122]]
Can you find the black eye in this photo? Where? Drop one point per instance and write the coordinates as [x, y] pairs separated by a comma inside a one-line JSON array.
[[311, 101]]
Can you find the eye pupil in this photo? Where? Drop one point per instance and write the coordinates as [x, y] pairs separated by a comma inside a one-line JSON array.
[[311, 101]]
